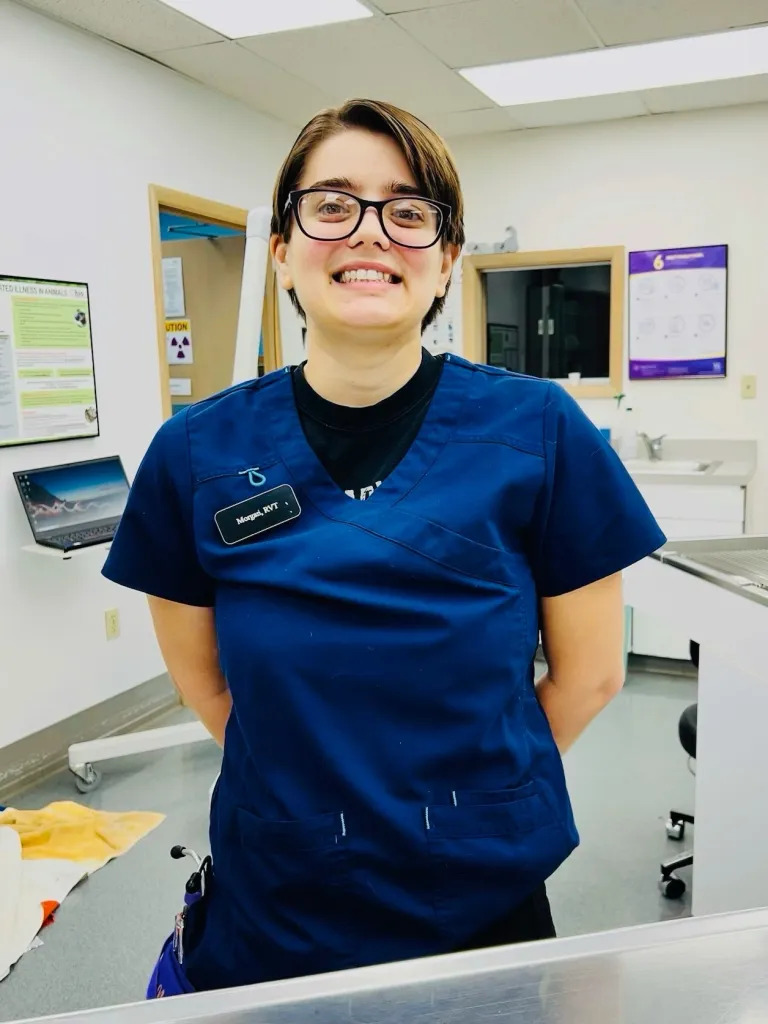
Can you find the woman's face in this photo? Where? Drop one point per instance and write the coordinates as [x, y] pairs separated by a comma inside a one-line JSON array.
[[370, 166]]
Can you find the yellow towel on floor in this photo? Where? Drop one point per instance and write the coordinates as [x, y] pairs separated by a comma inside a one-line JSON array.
[[69, 831], [45, 853]]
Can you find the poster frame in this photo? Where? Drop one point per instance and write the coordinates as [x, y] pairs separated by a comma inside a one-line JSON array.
[[710, 248], [54, 438]]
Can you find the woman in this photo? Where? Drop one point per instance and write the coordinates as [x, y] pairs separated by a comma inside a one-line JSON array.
[[348, 564]]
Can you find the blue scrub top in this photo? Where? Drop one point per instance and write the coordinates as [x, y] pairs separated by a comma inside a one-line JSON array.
[[390, 785]]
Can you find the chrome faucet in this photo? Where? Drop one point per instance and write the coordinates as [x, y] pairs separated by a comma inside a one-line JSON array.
[[654, 446]]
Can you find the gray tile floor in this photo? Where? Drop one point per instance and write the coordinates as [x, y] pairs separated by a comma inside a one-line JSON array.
[[625, 774]]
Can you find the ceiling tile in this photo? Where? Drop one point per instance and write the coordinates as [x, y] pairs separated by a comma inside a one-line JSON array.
[[147, 26], [396, 6], [373, 58], [493, 31], [704, 95], [474, 122], [578, 111], [639, 21], [245, 76]]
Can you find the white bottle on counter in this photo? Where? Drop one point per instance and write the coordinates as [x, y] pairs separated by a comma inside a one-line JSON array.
[[627, 440]]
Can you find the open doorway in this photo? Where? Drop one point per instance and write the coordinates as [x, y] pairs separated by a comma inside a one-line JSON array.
[[198, 247]]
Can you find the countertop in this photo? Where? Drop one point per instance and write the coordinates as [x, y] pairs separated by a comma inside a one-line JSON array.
[[731, 462]]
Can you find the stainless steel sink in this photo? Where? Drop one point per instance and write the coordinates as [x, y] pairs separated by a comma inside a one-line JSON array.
[[675, 467]]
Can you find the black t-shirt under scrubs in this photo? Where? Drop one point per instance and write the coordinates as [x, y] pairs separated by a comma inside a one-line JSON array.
[[360, 447]]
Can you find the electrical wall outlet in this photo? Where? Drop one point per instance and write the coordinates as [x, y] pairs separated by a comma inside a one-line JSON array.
[[112, 623], [749, 386]]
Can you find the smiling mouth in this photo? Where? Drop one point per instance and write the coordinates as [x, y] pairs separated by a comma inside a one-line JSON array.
[[365, 277]]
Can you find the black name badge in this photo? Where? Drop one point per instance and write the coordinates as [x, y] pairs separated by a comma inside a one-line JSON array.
[[253, 516]]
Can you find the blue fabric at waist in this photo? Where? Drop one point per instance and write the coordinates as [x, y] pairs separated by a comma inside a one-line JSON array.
[[344, 889]]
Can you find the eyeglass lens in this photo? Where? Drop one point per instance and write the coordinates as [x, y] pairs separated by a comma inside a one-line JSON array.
[[333, 215]]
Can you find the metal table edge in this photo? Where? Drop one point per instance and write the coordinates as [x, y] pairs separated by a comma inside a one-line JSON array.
[[200, 1006]]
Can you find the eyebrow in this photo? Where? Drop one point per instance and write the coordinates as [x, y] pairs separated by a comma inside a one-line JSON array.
[[395, 188]]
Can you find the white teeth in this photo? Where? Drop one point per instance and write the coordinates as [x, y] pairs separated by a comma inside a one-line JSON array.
[[365, 275]]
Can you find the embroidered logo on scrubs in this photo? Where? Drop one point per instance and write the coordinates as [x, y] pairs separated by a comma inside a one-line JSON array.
[[255, 477], [255, 515]]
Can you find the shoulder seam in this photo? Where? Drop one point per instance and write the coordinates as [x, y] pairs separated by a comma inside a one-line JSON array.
[[257, 384], [548, 402], [465, 364], [497, 371]]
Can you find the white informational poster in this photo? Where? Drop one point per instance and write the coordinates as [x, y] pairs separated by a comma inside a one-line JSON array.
[[677, 312], [444, 333], [47, 384], [173, 287], [181, 387], [178, 342]]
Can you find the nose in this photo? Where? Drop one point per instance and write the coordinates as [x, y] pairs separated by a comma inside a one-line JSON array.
[[370, 231]]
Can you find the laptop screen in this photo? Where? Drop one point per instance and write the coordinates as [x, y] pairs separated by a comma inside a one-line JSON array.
[[58, 499]]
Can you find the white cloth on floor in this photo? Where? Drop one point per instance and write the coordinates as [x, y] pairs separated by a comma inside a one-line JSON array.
[[27, 888]]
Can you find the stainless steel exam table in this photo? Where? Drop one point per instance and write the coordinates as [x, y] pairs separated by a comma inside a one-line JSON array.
[[706, 970]]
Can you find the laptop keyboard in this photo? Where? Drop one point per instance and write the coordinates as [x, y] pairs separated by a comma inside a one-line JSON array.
[[90, 536]]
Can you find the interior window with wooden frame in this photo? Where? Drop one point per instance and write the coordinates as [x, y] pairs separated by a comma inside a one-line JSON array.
[[557, 314]]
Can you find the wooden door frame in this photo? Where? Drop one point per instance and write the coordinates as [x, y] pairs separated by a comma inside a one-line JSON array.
[[161, 198], [474, 312]]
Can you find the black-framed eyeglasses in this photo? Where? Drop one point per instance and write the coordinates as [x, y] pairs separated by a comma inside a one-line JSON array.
[[328, 215]]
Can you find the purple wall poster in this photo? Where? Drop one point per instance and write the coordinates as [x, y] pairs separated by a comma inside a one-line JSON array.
[[677, 312]]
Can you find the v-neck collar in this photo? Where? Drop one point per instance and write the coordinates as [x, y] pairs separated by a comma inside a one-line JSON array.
[[312, 481]]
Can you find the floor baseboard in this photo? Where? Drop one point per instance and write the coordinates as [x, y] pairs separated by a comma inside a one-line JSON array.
[[662, 666], [26, 762]]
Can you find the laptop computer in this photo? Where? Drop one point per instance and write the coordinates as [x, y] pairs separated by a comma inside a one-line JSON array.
[[75, 505]]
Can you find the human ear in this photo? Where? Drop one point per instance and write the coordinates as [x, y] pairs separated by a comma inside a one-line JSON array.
[[450, 255], [278, 247]]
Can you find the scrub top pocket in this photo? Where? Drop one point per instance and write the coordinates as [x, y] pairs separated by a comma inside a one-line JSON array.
[[302, 872], [489, 850], [235, 520], [446, 548]]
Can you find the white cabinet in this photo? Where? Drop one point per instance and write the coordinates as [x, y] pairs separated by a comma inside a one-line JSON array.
[[684, 513], [694, 502]]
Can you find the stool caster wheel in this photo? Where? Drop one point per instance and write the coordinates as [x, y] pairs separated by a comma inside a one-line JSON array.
[[672, 888], [675, 829], [89, 780]]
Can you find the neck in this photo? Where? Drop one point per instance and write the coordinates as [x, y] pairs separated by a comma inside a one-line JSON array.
[[358, 375]]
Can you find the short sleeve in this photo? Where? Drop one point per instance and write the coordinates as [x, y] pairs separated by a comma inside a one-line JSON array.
[[591, 520], [154, 548]]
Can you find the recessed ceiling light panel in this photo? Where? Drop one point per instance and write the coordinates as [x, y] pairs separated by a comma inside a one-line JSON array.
[[238, 19], [620, 69]]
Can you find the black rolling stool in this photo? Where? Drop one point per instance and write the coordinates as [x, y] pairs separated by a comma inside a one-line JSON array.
[[672, 886]]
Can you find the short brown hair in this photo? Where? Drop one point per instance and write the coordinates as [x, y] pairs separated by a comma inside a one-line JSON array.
[[426, 153]]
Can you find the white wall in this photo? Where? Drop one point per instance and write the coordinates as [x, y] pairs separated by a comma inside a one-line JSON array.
[[84, 128], [681, 179]]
